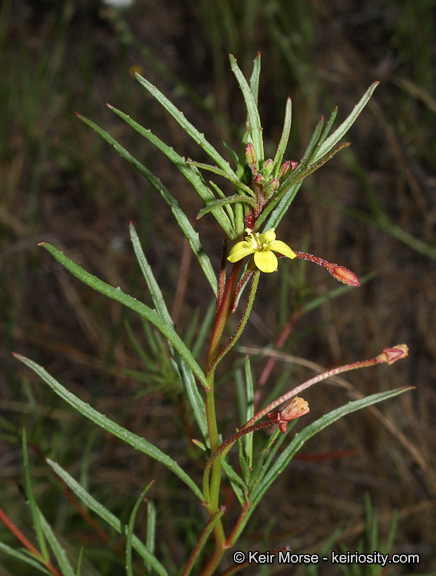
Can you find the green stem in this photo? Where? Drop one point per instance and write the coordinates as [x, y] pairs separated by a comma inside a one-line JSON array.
[[211, 488]]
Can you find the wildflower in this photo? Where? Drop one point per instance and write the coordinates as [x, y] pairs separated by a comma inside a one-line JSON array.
[[263, 246], [297, 407]]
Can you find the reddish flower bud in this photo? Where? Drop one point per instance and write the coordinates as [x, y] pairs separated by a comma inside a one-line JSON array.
[[274, 184], [391, 355], [267, 167], [250, 157], [297, 407], [342, 274], [250, 220], [286, 168]]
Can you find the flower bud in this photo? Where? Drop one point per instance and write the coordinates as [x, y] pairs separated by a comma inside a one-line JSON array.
[[391, 355], [342, 274], [297, 407], [267, 167], [250, 157], [286, 168], [275, 183]]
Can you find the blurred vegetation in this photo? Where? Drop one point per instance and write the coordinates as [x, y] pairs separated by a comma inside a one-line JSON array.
[[372, 209]]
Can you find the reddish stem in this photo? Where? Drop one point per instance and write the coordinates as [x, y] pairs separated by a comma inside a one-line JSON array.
[[17, 532]]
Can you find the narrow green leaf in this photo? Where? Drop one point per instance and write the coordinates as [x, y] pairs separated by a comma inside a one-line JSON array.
[[58, 550], [228, 208], [110, 426], [254, 79], [301, 437], [31, 501], [281, 148], [131, 528], [204, 329], [139, 307], [153, 286], [236, 482], [151, 529], [328, 126], [185, 124], [346, 125], [281, 209], [248, 438], [25, 558], [254, 125], [180, 216], [234, 180], [107, 516], [225, 201], [193, 177], [233, 155], [195, 399]]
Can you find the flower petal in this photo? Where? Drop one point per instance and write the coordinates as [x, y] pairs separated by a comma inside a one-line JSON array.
[[240, 250], [282, 248], [268, 236], [266, 261]]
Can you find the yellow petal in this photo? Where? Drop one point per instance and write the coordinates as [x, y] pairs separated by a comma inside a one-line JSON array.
[[266, 261], [282, 248], [240, 250], [269, 235]]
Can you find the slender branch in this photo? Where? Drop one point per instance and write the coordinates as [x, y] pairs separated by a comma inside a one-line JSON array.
[[27, 544], [225, 447], [235, 532], [222, 276], [388, 356], [213, 362], [223, 312], [202, 540]]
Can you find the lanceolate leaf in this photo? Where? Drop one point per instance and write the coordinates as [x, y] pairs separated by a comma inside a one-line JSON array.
[[224, 202], [280, 210], [301, 437], [253, 113], [235, 181], [186, 374], [107, 516], [254, 79], [192, 176], [110, 426], [281, 148], [346, 125], [184, 123], [180, 216], [135, 305], [59, 552], [24, 558]]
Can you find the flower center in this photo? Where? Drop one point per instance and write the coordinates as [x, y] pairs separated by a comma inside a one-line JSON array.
[[257, 240]]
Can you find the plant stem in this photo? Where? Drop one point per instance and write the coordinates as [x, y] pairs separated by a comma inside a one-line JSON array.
[[307, 384], [202, 540], [224, 310]]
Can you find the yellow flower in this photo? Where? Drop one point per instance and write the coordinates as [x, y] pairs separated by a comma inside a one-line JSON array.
[[263, 247]]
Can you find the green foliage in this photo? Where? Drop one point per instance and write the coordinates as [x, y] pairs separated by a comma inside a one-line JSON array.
[[264, 191]]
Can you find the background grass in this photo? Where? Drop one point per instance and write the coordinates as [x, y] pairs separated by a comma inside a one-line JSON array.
[[372, 209]]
